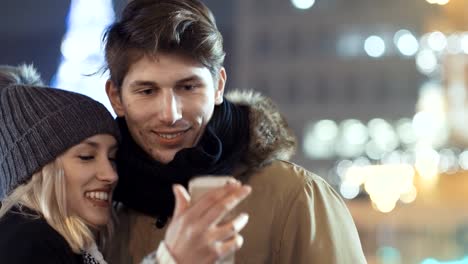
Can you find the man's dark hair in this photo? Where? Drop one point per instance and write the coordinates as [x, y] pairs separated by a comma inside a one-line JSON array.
[[170, 26]]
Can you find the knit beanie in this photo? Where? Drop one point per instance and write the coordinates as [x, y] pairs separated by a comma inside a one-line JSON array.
[[37, 124]]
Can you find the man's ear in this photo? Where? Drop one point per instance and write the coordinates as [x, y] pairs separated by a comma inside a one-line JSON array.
[[113, 94], [219, 93]]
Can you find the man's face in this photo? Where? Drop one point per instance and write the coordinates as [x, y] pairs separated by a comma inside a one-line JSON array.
[[167, 101]]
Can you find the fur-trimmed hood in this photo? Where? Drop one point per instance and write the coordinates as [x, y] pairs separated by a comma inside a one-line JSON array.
[[270, 136]]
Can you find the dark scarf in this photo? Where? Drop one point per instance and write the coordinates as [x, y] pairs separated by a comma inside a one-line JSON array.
[[145, 185]]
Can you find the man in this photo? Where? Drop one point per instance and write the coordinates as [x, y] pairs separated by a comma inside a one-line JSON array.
[[166, 85]]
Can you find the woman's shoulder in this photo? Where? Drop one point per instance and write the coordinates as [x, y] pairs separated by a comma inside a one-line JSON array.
[[28, 237], [18, 224]]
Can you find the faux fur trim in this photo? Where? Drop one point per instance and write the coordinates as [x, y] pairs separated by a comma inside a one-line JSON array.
[[270, 136]]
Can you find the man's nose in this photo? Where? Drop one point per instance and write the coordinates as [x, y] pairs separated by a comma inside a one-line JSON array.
[[170, 108]]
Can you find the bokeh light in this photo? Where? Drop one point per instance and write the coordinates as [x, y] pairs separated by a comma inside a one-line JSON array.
[[374, 46], [303, 4]]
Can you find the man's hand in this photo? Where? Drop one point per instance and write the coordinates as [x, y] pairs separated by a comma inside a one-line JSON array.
[[195, 233]]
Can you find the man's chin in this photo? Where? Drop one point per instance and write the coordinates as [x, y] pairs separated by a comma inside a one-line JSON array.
[[165, 157]]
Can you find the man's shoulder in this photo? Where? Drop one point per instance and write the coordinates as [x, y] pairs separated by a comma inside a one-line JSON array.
[[283, 174]]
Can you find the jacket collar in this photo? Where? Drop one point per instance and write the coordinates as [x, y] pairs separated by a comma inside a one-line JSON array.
[[270, 136]]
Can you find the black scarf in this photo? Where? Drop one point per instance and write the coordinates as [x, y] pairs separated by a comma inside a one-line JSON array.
[[145, 184]]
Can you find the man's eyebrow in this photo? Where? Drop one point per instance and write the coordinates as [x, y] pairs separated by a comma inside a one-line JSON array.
[[189, 79], [144, 83]]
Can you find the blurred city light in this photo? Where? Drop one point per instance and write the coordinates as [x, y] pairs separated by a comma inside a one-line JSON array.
[[394, 157], [326, 130], [463, 160], [405, 131], [353, 137], [409, 196], [406, 42], [354, 132], [319, 139], [437, 41], [434, 261], [439, 2], [385, 184], [426, 61], [443, 2], [81, 49], [383, 134], [454, 44], [349, 45], [303, 4], [349, 190], [342, 167], [448, 161], [373, 151], [389, 255], [464, 43], [374, 46], [430, 123], [427, 165]]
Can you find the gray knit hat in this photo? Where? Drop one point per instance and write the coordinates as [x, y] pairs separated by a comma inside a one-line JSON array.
[[37, 124]]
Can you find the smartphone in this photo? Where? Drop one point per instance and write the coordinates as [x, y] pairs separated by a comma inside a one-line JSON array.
[[200, 185]]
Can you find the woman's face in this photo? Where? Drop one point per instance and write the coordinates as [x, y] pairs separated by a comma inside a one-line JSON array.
[[90, 178]]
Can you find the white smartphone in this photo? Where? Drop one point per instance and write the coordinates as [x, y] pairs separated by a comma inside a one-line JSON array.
[[200, 185]]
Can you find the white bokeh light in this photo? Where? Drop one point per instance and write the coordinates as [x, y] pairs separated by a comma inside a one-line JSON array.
[[437, 41], [454, 44], [463, 160], [374, 46], [426, 61], [406, 42], [319, 139], [349, 190], [464, 43], [303, 4]]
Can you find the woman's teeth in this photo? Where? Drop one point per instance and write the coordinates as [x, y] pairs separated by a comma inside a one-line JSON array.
[[104, 196]]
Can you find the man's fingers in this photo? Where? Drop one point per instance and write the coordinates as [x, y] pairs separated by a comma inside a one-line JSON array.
[[230, 229], [226, 247], [182, 199], [224, 206]]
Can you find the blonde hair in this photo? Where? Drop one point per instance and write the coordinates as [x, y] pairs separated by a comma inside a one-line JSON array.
[[45, 193]]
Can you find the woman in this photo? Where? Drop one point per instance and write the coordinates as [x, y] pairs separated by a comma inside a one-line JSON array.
[[57, 176]]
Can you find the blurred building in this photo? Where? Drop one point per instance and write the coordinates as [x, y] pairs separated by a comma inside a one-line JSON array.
[[377, 93], [313, 63]]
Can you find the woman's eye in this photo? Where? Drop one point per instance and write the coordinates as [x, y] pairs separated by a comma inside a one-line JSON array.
[[86, 157], [113, 161]]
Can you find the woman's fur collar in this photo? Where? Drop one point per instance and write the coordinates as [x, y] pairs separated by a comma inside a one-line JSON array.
[[270, 136]]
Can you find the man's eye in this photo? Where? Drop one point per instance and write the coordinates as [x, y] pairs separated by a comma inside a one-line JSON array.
[[86, 157], [188, 87], [146, 91]]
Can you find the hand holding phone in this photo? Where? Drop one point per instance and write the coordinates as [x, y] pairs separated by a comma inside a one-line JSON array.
[[201, 185], [196, 231]]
